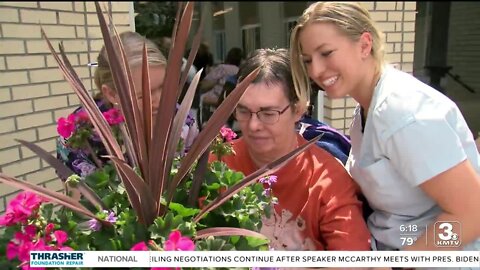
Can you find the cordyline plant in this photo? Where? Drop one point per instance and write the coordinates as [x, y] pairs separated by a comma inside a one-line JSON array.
[[151, 142]]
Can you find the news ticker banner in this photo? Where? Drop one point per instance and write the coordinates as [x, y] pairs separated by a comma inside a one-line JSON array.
[[112, 259]]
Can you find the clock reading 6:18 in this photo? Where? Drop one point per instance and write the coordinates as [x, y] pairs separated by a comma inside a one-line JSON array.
[[408, 228]]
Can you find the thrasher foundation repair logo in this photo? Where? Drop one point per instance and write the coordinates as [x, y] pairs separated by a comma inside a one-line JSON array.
[[51, 259], [448, 234]]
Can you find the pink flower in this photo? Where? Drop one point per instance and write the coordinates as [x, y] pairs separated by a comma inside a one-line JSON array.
[[81, 117], [65, 127], [227, 134], [21, 208], [49, 228], [178, 242], [12, 250], [61, 237], [113, 116], [140, 246]]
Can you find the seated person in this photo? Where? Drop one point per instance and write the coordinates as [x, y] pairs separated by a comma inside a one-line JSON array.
[[80, 159], [211, 86], [318, 207]]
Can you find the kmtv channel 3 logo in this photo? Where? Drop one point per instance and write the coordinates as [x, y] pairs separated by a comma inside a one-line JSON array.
[[447, 234]]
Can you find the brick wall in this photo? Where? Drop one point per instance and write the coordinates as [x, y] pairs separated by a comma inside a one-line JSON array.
[[33, 92], [397, 21]]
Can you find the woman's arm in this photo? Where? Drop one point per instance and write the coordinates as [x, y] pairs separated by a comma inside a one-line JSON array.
[[457, 192]]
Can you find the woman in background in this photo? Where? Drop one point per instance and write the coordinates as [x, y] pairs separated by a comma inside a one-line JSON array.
[[413, 154]]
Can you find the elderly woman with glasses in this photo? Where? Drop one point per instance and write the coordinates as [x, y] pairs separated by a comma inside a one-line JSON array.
[[317, 207]]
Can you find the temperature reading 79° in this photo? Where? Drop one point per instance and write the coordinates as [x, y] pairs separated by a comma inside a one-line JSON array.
[[408, 240]]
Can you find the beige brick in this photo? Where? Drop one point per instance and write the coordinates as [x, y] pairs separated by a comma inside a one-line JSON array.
[[11, 46], [57, 88], [47, 132], [389, 47], [30, 91], [47, 145], [21, 30], [8, 15], [7, 125], [5, 94], [75, 46], [409, 26], [121, 29], [103, 6], [80, 31], [13, 78], [9, 155], [334, 103], [40, 46], [7, 189], [46, 75], [2, 63], [349, 112], [36, 16], [121, 18], [407, 67], [409, 37], [385, 5], [408, 47], [96, 44], [83, 71], [386, 26], [398, 26], [351, 102], [63, 113], [338, 124], [92, 19], [335, 113], [25, 62], [393, 57], [379, 16], [394, 37], [398, 47], [19, 4], [368, 5], [34, 120], [84, 58], [8, 140], [79, 6], [94, 32], [59, 31], [73, 100], [410, 5], [407, 57], [395, 16], [41, 176], [22, 167], [56, 185], [72, 57], [57, 5], [72, 18], [48, 103], [121, 6], [399, 5], [409, 16]]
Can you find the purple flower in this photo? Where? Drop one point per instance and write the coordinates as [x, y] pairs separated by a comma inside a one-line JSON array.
[[84, 167], [111, 217], [269, 180], [94, 225]]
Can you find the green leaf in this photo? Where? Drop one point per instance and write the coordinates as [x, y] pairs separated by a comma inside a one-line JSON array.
[[182, 210]]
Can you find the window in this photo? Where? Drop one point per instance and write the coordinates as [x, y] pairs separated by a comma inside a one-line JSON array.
[[250, 38], [220, 46], [289, 25]]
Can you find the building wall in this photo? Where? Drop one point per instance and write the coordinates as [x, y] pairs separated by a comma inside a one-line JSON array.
[[395, 19], [33, 92]]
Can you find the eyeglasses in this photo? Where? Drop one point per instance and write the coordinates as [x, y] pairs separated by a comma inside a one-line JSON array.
[[265, 116]]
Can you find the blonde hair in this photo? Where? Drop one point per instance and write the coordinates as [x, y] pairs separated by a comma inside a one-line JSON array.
[[133, 44], [350, 18]]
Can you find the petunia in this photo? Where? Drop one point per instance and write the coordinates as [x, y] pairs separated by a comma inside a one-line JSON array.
[[61, 237], [113, 116], [227, 134]]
